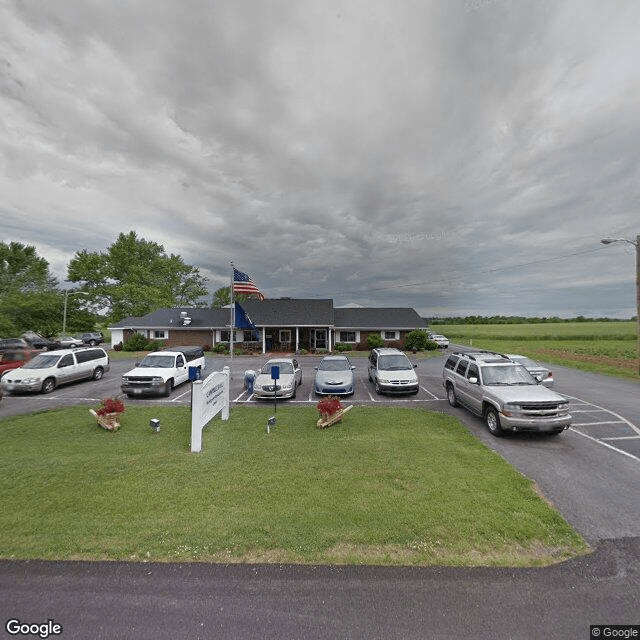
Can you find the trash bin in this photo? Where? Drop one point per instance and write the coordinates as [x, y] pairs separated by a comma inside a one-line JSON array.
[[249, 379]]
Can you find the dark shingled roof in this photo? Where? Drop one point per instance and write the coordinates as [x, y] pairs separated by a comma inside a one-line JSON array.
[[163, 318], [289, 312], [378, 318], [284, 312]]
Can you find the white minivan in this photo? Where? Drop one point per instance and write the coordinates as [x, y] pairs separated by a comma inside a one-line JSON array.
[[392, 372], [48, 370]]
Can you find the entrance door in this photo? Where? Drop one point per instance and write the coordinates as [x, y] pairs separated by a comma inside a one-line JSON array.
[[318, 338]]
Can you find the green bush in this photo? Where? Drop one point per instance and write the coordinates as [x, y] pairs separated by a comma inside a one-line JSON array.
[[417, 339], [375, 341], [431, 345], [339, 346], [137, 342]]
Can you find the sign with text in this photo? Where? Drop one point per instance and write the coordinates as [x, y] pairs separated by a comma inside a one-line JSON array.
[[208, 398]]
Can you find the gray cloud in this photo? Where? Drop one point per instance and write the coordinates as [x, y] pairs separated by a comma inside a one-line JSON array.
[[459, 157]]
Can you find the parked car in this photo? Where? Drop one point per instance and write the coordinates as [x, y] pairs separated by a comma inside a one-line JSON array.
[[392, 372], [161, 371], [537, 370], [14, 358], [440, 340], [504, 394], [46, 371], [334, 376], [93, 338], [285, 386], [13, 343], [36, 341], [68, 342]]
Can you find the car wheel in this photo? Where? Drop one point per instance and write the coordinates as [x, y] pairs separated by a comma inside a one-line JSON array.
[[98, 373], [451, 396], [378, 389], [295, 390], [492, 420], [93, 343], [48, 385], [168, 387]]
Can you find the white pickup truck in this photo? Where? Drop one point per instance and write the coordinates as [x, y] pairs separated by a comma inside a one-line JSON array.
[[161, 371]]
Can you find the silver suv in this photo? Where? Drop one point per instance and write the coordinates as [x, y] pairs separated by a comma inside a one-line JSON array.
[[504, 394]]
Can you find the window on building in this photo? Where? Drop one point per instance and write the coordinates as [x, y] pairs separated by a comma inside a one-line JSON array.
[[390, 335], [347, 336], [285, 335], [159, 334]]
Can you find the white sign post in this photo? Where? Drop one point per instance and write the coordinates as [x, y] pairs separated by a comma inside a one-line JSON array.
[[208, 398]]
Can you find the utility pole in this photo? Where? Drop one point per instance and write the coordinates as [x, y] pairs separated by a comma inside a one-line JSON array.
[[636, 244]]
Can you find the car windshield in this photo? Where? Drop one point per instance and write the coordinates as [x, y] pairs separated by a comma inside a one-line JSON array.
[[285, 367], [157, 362], [394, 363], [507, 374], [43, 361], [334, 365]]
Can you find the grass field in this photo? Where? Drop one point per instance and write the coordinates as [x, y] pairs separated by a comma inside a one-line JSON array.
[[387, 486], [604, 347]]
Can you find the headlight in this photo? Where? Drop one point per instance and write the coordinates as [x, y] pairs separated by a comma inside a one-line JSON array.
[[510, 407], [29, 380]]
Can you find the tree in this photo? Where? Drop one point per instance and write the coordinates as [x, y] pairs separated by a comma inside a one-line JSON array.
[[222, 298], [29, 298], [22, 270], [135, 276]]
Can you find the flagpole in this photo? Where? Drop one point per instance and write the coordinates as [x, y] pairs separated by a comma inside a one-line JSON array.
[[233, 315]]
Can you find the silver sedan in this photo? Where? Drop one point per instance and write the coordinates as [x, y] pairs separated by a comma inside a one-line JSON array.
[[537, 370], [285, 385], [334, 376]]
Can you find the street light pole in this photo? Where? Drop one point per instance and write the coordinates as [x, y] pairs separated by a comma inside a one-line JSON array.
[[636, 244], [64, 314]]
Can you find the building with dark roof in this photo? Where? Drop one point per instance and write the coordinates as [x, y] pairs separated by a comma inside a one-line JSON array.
[[286, 324]]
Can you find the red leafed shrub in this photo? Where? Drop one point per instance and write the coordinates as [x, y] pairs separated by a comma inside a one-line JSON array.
[[110, 405], [329, 406]]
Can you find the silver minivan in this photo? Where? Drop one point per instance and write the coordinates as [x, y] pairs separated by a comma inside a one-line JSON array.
[[392, 372], [48, 370]]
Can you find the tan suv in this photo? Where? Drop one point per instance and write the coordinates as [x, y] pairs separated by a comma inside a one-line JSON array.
[[504, 394]]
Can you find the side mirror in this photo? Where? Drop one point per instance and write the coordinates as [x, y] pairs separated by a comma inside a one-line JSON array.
[[316, 368], [473, 380], [415, 366]]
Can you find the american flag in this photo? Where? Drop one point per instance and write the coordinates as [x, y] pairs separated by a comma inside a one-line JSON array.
[[243, 284]]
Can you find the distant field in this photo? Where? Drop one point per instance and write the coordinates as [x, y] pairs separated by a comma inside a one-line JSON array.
[[605, 347]]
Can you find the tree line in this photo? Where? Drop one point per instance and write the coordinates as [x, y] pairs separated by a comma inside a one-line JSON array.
[[517, 320], [132, 277]]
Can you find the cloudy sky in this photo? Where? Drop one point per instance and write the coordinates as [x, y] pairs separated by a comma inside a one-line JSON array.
[[457, 156]]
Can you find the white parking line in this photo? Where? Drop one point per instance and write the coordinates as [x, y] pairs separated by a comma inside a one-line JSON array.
[[618, 420], [605, 444]]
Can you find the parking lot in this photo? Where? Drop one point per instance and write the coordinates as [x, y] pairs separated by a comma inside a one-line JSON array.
[[603, 423]]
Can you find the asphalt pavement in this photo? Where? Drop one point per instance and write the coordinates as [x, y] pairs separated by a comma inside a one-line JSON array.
[[591, 473]]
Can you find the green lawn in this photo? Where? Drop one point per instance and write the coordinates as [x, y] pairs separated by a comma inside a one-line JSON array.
[[386, 486]]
